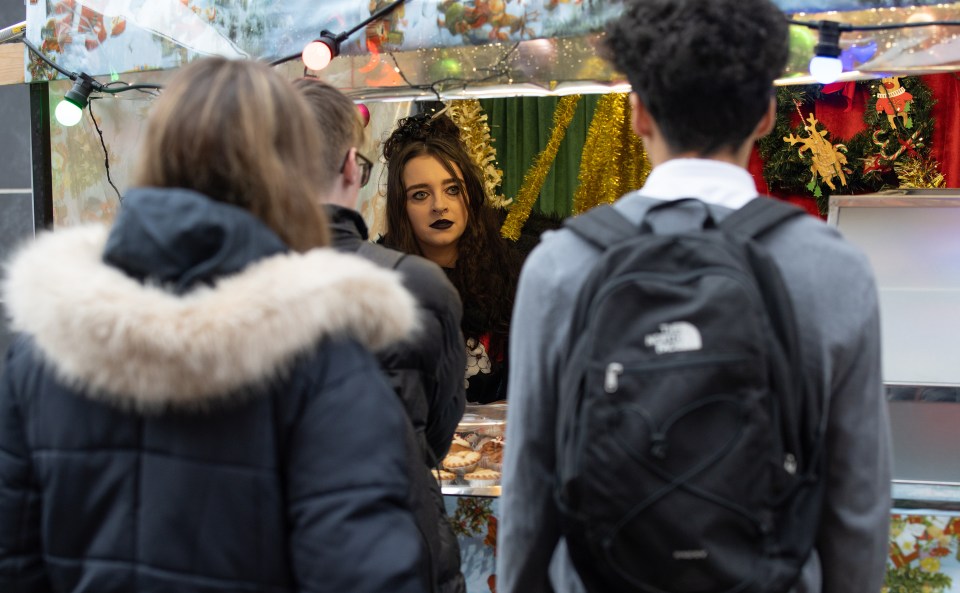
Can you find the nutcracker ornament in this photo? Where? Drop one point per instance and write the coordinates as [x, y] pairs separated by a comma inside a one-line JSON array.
[[894, 101]]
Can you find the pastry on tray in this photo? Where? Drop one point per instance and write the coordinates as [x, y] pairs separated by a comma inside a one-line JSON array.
[[492, 455], [461, 462], [482, 478], [444, 477]]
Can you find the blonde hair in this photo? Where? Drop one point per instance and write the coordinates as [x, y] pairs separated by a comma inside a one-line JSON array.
[[237, 132], [338, 117]]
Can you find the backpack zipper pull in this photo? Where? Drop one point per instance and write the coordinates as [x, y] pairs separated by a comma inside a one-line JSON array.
[[611, 380], [790, 463]]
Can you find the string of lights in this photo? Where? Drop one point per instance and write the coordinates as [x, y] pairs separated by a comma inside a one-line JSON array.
[[500, 70], [318, 54], [70, 110], [825, 65]]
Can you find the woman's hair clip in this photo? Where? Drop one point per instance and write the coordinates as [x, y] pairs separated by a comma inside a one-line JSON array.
[[420, 127]]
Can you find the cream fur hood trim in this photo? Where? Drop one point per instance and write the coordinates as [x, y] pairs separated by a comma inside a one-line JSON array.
[[143, 347]]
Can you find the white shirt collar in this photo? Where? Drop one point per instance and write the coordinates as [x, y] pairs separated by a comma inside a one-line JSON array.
[[712, 181]]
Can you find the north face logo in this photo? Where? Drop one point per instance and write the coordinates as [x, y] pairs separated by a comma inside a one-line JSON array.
[[678, 336]]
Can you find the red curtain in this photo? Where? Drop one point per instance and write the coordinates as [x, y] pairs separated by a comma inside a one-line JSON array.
[[945, 144], [841, 111]]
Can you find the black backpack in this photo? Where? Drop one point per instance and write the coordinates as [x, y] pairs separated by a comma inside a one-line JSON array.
[[689, 440]]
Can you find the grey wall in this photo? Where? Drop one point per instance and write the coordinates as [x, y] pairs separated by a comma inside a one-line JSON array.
[[16, 194]]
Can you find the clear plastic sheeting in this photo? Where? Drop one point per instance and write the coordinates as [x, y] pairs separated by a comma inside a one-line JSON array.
[[567, 65], [873, 54], [540, 67], [442, 45], [115, 36]]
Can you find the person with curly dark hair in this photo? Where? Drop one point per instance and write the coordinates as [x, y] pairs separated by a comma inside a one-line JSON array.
[[702, 74], [436, 208]]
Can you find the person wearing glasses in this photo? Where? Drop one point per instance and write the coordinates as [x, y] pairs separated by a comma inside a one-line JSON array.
[[436, 207], [427, 370], [191, 404]]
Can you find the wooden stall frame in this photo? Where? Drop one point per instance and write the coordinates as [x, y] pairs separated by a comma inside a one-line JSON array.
[[11, 63]]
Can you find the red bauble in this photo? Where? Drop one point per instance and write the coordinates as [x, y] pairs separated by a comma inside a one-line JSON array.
[[364, 114]]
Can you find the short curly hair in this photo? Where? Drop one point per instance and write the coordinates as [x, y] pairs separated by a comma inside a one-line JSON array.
[[704, 69]]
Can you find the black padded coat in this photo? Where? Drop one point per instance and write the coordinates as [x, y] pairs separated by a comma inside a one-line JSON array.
[[191, 407], [426, 371]]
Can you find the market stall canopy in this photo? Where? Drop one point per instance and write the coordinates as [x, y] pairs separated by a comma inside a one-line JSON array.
[[443, 48]]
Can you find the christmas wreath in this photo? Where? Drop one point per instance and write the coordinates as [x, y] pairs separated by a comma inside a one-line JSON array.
[[801, 157]]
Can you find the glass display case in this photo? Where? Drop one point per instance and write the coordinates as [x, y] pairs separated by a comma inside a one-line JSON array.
[[474, 463], [912, 239]]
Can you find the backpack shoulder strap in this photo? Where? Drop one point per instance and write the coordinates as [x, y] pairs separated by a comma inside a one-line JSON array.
[[387, 258], [758, 216], [602, 226], [805, 414]]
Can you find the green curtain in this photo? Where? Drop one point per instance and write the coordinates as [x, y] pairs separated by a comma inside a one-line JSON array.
[[520, 127]]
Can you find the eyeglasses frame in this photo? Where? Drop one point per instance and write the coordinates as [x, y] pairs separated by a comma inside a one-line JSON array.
[[365, 164]]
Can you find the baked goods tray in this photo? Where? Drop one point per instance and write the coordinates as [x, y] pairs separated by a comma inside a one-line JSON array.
[[474, 463]]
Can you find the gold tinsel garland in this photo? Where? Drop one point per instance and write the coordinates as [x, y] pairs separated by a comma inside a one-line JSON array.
[[614, 161], [535, 176], [919, 173], [475, 132]]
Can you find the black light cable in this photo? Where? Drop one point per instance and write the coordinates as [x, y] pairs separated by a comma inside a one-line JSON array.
[[318, 54], [106, 153], [70, 110], [844, 27]]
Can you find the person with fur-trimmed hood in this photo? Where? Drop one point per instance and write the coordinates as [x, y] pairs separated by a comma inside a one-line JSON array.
[[190, 403]]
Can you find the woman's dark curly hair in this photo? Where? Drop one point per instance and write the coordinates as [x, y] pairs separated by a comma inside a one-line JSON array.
[[486, 271], [703, 68]]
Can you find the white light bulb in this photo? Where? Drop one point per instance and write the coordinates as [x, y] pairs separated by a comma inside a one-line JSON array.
[[68, 114], [317, 55], [825, 70]]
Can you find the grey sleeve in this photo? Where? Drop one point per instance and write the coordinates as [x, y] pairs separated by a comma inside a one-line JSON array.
[[529, 528], [854, 533]]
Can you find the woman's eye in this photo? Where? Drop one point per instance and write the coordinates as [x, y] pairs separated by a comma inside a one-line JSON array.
[[418, 195], [453, 190]]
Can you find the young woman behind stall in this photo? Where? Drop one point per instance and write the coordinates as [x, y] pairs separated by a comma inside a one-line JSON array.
[[436, 208]]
